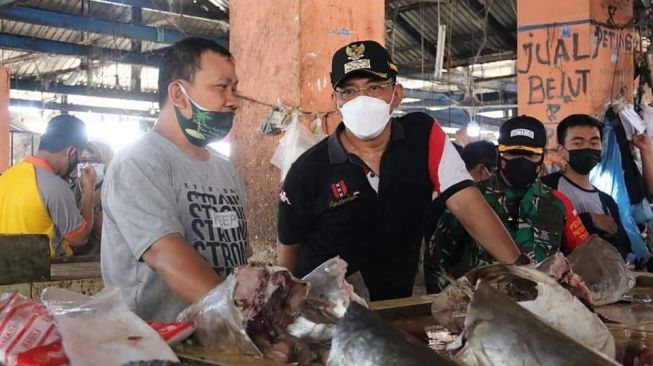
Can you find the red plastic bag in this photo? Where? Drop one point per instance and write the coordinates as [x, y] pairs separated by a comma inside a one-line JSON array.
[[24, 324], [173, 333], [49, 355]]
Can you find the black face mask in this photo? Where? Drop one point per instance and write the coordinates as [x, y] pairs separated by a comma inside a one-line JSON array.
[[72, 163], [519, 172], [582, 161]]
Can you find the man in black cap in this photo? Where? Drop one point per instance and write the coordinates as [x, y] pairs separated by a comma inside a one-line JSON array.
[[365, 193], [35, 198], [540, 220]]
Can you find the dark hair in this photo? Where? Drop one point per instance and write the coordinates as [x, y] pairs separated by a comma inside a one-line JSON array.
[[480, 152], [577, 120], [182, 60], [62, 132]]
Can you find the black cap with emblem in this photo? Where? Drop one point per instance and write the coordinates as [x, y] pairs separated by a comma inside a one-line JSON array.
[[363, 57], [523, 133]]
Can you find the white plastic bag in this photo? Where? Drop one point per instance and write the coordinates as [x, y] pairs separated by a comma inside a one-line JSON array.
[[632, 122], [248, 314], [102, 331], [220, 324], [647, 116], [296, 140]]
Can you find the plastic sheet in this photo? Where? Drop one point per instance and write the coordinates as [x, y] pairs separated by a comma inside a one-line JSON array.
[[248, 314], [608, 177], [219, 323], [102, 330]]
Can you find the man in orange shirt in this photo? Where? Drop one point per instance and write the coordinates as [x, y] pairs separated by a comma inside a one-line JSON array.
[[35, 198]]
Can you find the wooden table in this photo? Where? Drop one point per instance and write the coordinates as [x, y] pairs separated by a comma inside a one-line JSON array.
[[208, 356], [72, 274]]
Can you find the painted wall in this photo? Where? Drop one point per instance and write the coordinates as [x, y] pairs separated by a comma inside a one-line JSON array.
[[573, 56]]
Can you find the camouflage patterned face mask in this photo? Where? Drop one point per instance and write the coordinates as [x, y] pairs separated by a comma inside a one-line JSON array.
[[204, 125]]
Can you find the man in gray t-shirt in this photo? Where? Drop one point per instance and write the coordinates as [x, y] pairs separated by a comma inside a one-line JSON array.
[[174, 212]]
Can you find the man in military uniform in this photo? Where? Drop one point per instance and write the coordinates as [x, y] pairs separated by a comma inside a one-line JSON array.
[[540, 220]]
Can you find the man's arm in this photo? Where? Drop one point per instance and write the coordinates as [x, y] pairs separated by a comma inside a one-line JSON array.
[[86, 209], [470, 208], [182, 269], [287, 255]]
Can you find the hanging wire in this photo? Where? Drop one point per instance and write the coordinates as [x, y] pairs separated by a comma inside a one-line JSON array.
[[421, 18], [392, 31], [488, 7]]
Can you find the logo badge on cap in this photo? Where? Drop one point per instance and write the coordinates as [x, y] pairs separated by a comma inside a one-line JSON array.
[[355, 51], [522, 132]]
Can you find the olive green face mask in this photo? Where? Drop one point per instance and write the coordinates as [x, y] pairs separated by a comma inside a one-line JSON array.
[[204, 125]]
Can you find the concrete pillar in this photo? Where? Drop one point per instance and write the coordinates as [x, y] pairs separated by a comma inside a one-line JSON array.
[[4, 119], [283, 52], [573, 56]]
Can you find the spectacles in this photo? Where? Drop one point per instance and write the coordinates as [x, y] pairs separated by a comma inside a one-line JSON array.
[[373, 90]]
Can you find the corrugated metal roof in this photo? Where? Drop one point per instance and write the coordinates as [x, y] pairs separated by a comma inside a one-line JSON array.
[[465, 21], [35, 64]]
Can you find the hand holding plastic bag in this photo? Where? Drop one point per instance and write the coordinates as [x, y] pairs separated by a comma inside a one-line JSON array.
[[218, 322], [248, 313]]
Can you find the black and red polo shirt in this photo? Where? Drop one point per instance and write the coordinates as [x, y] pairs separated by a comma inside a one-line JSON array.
[[332, 203]]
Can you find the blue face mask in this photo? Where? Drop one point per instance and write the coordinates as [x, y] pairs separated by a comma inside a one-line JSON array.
[[204, 126]]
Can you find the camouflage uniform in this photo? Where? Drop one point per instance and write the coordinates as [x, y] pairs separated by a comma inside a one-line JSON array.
[[539, 220]]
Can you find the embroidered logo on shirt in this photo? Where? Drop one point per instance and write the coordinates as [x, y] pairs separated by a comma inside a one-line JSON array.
[[341, 194], [339, 189]]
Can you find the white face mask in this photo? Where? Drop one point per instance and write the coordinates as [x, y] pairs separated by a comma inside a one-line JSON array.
[[366, 117], [99, 171]]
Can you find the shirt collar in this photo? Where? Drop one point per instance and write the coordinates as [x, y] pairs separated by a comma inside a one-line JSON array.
[[337, 152], [40, 162]]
